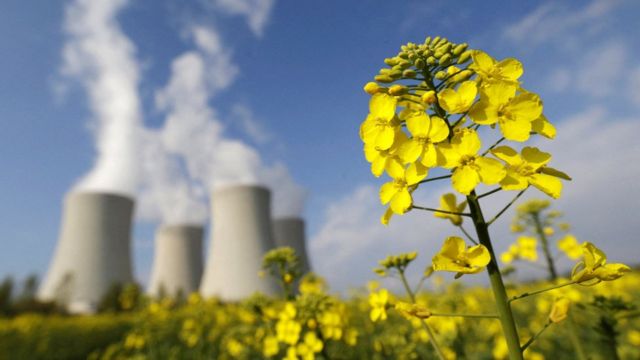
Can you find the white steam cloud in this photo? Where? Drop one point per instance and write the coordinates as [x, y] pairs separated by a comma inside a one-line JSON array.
[[102, 59]]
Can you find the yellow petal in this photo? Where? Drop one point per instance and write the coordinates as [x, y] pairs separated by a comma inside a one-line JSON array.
[[465, 179], [526, 107], [448, 99], [450, 157], [548, 184], [467, 92], [483, 112], [514, 181], [401, 201], [478, 256], [468, 142], [396, 172], [452, 248], [415, 173], [482, 61], [543, 127], [429, 156], [491, 171], [555, 172], [439, 130], [508, 155], [510, 69], [394, 166], [387, 191], [410, 151], [498, 93], [515, 130], [419, 125], [384, 138], [384, 219], [383, 106], [535, 157], [378, 165]]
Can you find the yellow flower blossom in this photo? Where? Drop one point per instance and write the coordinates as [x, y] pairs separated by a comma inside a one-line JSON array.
[[378, 301], [457, 102], [529, 168], [594, 268], [426, 131], [331, 322], [527, 248], [398, 191], [309, 346], [270, 346], [448, 203], [570, 246], [514, 113], [386, 159], [469, 169], [455, 256], [559, 310], [410, 311], [288, 331], [381, 125], [490, 71]]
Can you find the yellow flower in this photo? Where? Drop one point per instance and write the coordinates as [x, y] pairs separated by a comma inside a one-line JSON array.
[[331, 322], [288, 331], [529, 168], [448, 203], [457, 102], [469, 169], [410, 311], [543, 127], [527, 248], [426, 132], [456, 257], [569, 245], [309, 347], [378, 301], [398, 191], [386, 159], [270, 346], [514, 113], [490, 70], [594, 268], [291, 353], [381, 125], [559, 310]]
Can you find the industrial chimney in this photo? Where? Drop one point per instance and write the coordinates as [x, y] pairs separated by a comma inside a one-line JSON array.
[[93, 251], [177, 265], [289, 231], [241, 234]]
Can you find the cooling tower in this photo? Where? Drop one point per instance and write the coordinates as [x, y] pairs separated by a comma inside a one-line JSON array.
[[177, 265], [241, 234], [290, 232], [93, 251]]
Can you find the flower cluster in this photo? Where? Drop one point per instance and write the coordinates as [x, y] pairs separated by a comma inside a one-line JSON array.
[[428, 110]]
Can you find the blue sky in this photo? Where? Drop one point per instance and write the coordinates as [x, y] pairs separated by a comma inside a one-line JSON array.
[[296, 98]]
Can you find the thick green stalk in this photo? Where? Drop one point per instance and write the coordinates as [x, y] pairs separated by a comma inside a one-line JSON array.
[[499, 292], [553, 274]]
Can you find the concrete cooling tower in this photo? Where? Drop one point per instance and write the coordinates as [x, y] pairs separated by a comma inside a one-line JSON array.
[[93, 251], [177, 265], [290, 232], [241, 234]]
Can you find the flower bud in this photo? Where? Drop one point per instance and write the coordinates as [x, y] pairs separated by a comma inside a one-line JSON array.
[[435, 40], [460, 48], [464, 57], [371, 88], [409, 73], [383, 78], [445, 59], [397, 90], [431, 60], [391, 61], [427, 40], [420, 63], [429, 97], [441, 75]]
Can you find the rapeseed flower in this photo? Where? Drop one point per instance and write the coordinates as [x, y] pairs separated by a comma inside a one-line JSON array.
[[469, 169], [559, 310], [529, 168], [381, 124], [448, 203], [594, 268], [426, 131], [491, 71], [378, 301], [458, 101], [455, 256], [398, 191], [570, 246]]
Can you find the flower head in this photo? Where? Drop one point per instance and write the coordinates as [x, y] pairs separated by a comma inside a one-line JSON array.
[[381, 125], [426, 132], [378, 301], [594, 268], [398, 191], [529, 168], [570, 246], [448, 203], [490, 71], [469, 168], [455, 256]]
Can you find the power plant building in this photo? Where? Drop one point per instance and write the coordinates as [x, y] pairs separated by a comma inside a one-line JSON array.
[[290, 231]]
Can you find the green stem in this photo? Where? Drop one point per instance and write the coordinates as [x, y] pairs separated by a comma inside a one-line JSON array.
[[427, 328], [489, 193], [535, 337], [440, 211], [553, 274], [527, 294], [467, 235], [506, 207], [474, 316], [434, 179], [499, 292], [493, 146]]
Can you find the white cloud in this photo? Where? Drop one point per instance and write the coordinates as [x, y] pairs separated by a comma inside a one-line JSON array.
[[553, 20], [601, 69], [243, 115], [634, 86], [601, 203], [559, 80], [257, 12]]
